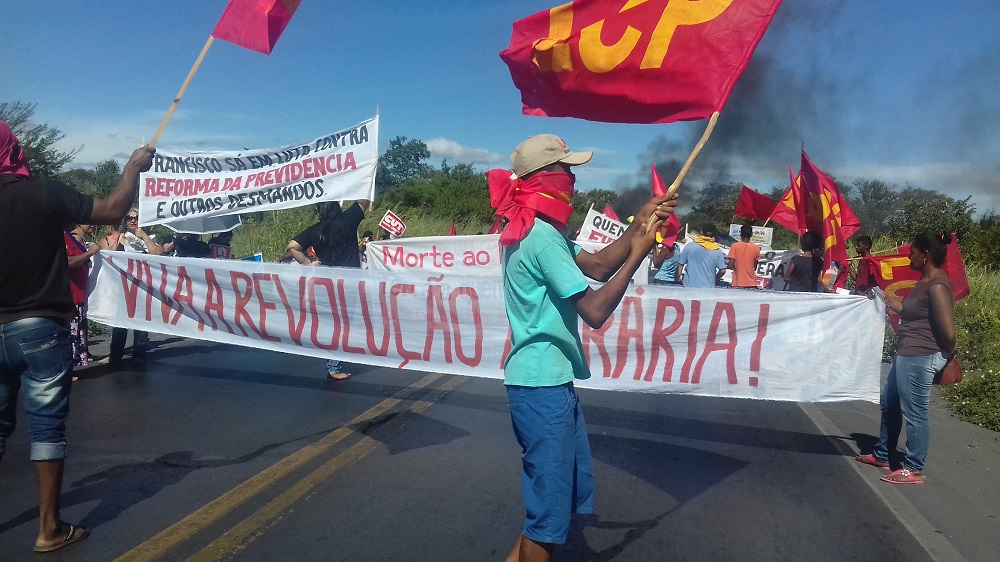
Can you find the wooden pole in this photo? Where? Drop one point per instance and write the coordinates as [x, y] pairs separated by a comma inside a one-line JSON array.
[[687, 165], [180, 93]]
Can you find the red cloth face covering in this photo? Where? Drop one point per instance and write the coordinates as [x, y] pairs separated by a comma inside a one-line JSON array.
[[546, 194], [12, 159]]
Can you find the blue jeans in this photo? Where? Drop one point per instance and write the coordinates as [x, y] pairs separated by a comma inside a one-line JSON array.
[[333, 366], [906, 396], [557, 477], [35, 353]]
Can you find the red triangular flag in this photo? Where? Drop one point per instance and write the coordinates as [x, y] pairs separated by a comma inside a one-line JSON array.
[[671, 228], [255, 24], [610, 213], [754, 205], [451, 231]]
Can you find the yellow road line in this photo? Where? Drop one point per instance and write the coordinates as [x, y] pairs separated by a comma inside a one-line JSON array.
[[238, 537], [211, 512]]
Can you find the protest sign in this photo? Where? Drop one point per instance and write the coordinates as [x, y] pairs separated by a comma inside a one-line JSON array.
[[600, 228], [762, 235], [455, 255], [184, 185], [706, 342], [392, 224]]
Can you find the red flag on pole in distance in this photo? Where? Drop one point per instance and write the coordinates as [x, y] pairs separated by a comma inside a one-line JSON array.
[[671, 228], [611, 213], [785, 212], [754, 205], [451, 231], [496, 228], [637, 62], [827, 211], [255, 24]]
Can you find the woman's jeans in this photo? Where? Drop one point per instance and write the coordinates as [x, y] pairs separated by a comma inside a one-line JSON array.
[[35, 354], [906, 396]]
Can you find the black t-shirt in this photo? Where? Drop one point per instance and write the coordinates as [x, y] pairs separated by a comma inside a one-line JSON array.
[[34, 272], [336, 253], [192, 248]]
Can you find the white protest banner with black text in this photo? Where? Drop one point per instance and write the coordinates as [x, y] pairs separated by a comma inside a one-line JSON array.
[[186, 185], [709, 342]]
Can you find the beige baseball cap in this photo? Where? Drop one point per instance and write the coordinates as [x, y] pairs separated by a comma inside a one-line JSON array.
[[541, 150]]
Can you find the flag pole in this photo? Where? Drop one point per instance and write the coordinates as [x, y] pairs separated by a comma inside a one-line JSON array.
[[687, 165], [180, 93]]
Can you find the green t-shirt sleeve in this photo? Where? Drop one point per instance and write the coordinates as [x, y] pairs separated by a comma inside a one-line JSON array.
[[558, 266]]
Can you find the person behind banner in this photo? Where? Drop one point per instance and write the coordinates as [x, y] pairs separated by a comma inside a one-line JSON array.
[[134, 240], [665, 261], [546, 292], [702, 264], [367, 237], [335, 240], [864, 279], [35, 307], [803, 272], [743, 256], [924, 344], [220, 246]]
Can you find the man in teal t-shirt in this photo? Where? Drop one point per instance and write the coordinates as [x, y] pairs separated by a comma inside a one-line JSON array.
[[546, 292]]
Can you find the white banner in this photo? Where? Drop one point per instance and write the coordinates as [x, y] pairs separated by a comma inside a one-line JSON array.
[[454, 255], [709, 342], [188, 185], [762, 235]]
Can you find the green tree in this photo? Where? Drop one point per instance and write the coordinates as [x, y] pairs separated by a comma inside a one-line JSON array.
[[930, 211], [402, 161], [37, 140], [877, 203], [715, 204]]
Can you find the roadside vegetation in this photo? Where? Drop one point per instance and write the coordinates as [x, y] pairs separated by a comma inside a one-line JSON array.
[[429, 199]]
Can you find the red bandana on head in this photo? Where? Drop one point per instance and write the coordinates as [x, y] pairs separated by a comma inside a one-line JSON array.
[[12, 159], [546, 193]]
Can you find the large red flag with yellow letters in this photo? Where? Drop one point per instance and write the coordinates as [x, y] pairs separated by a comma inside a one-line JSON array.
[[634, 61], [255, 24]]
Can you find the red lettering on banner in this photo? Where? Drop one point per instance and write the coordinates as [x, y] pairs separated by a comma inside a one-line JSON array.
[[264, 305], [187, 298], [294, 326], [659, 340], [630, 339], [314, 313], [347, 322], [135, 275], [596, 335], [762, 317], [166, 303], [437, 320], [712, 345], [243, 298], [383, 349], [692, 349], [477, 323], [214, 302], [404, 289]]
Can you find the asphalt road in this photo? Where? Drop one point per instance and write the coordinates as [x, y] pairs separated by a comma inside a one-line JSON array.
[[216, 452]]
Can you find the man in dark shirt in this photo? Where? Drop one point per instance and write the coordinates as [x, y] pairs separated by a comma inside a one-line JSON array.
[[335, 240], [35, 308]]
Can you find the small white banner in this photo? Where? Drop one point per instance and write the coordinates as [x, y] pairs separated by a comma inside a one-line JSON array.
[[803, 347], [196, 185], [454, 255], [762, 235]]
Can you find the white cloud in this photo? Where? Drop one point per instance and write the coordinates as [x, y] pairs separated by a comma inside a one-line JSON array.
[[455, 153]]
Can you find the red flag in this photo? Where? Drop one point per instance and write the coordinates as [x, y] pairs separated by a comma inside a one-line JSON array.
[[894, 276], [496, 228], [671, 228], [611, 213], [827, 212], [641, 62], [954, 266], [786, 212], [754, 205], [255, 24], [451, 231]]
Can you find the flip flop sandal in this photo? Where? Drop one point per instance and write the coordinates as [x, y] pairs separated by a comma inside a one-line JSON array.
[[71, 537], [870, 459], [903, 476], [338, 376]]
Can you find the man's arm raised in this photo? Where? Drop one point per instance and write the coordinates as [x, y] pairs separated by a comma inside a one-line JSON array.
[[112, 208]]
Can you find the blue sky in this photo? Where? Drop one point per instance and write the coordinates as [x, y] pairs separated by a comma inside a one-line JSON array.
[[906, 92]]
